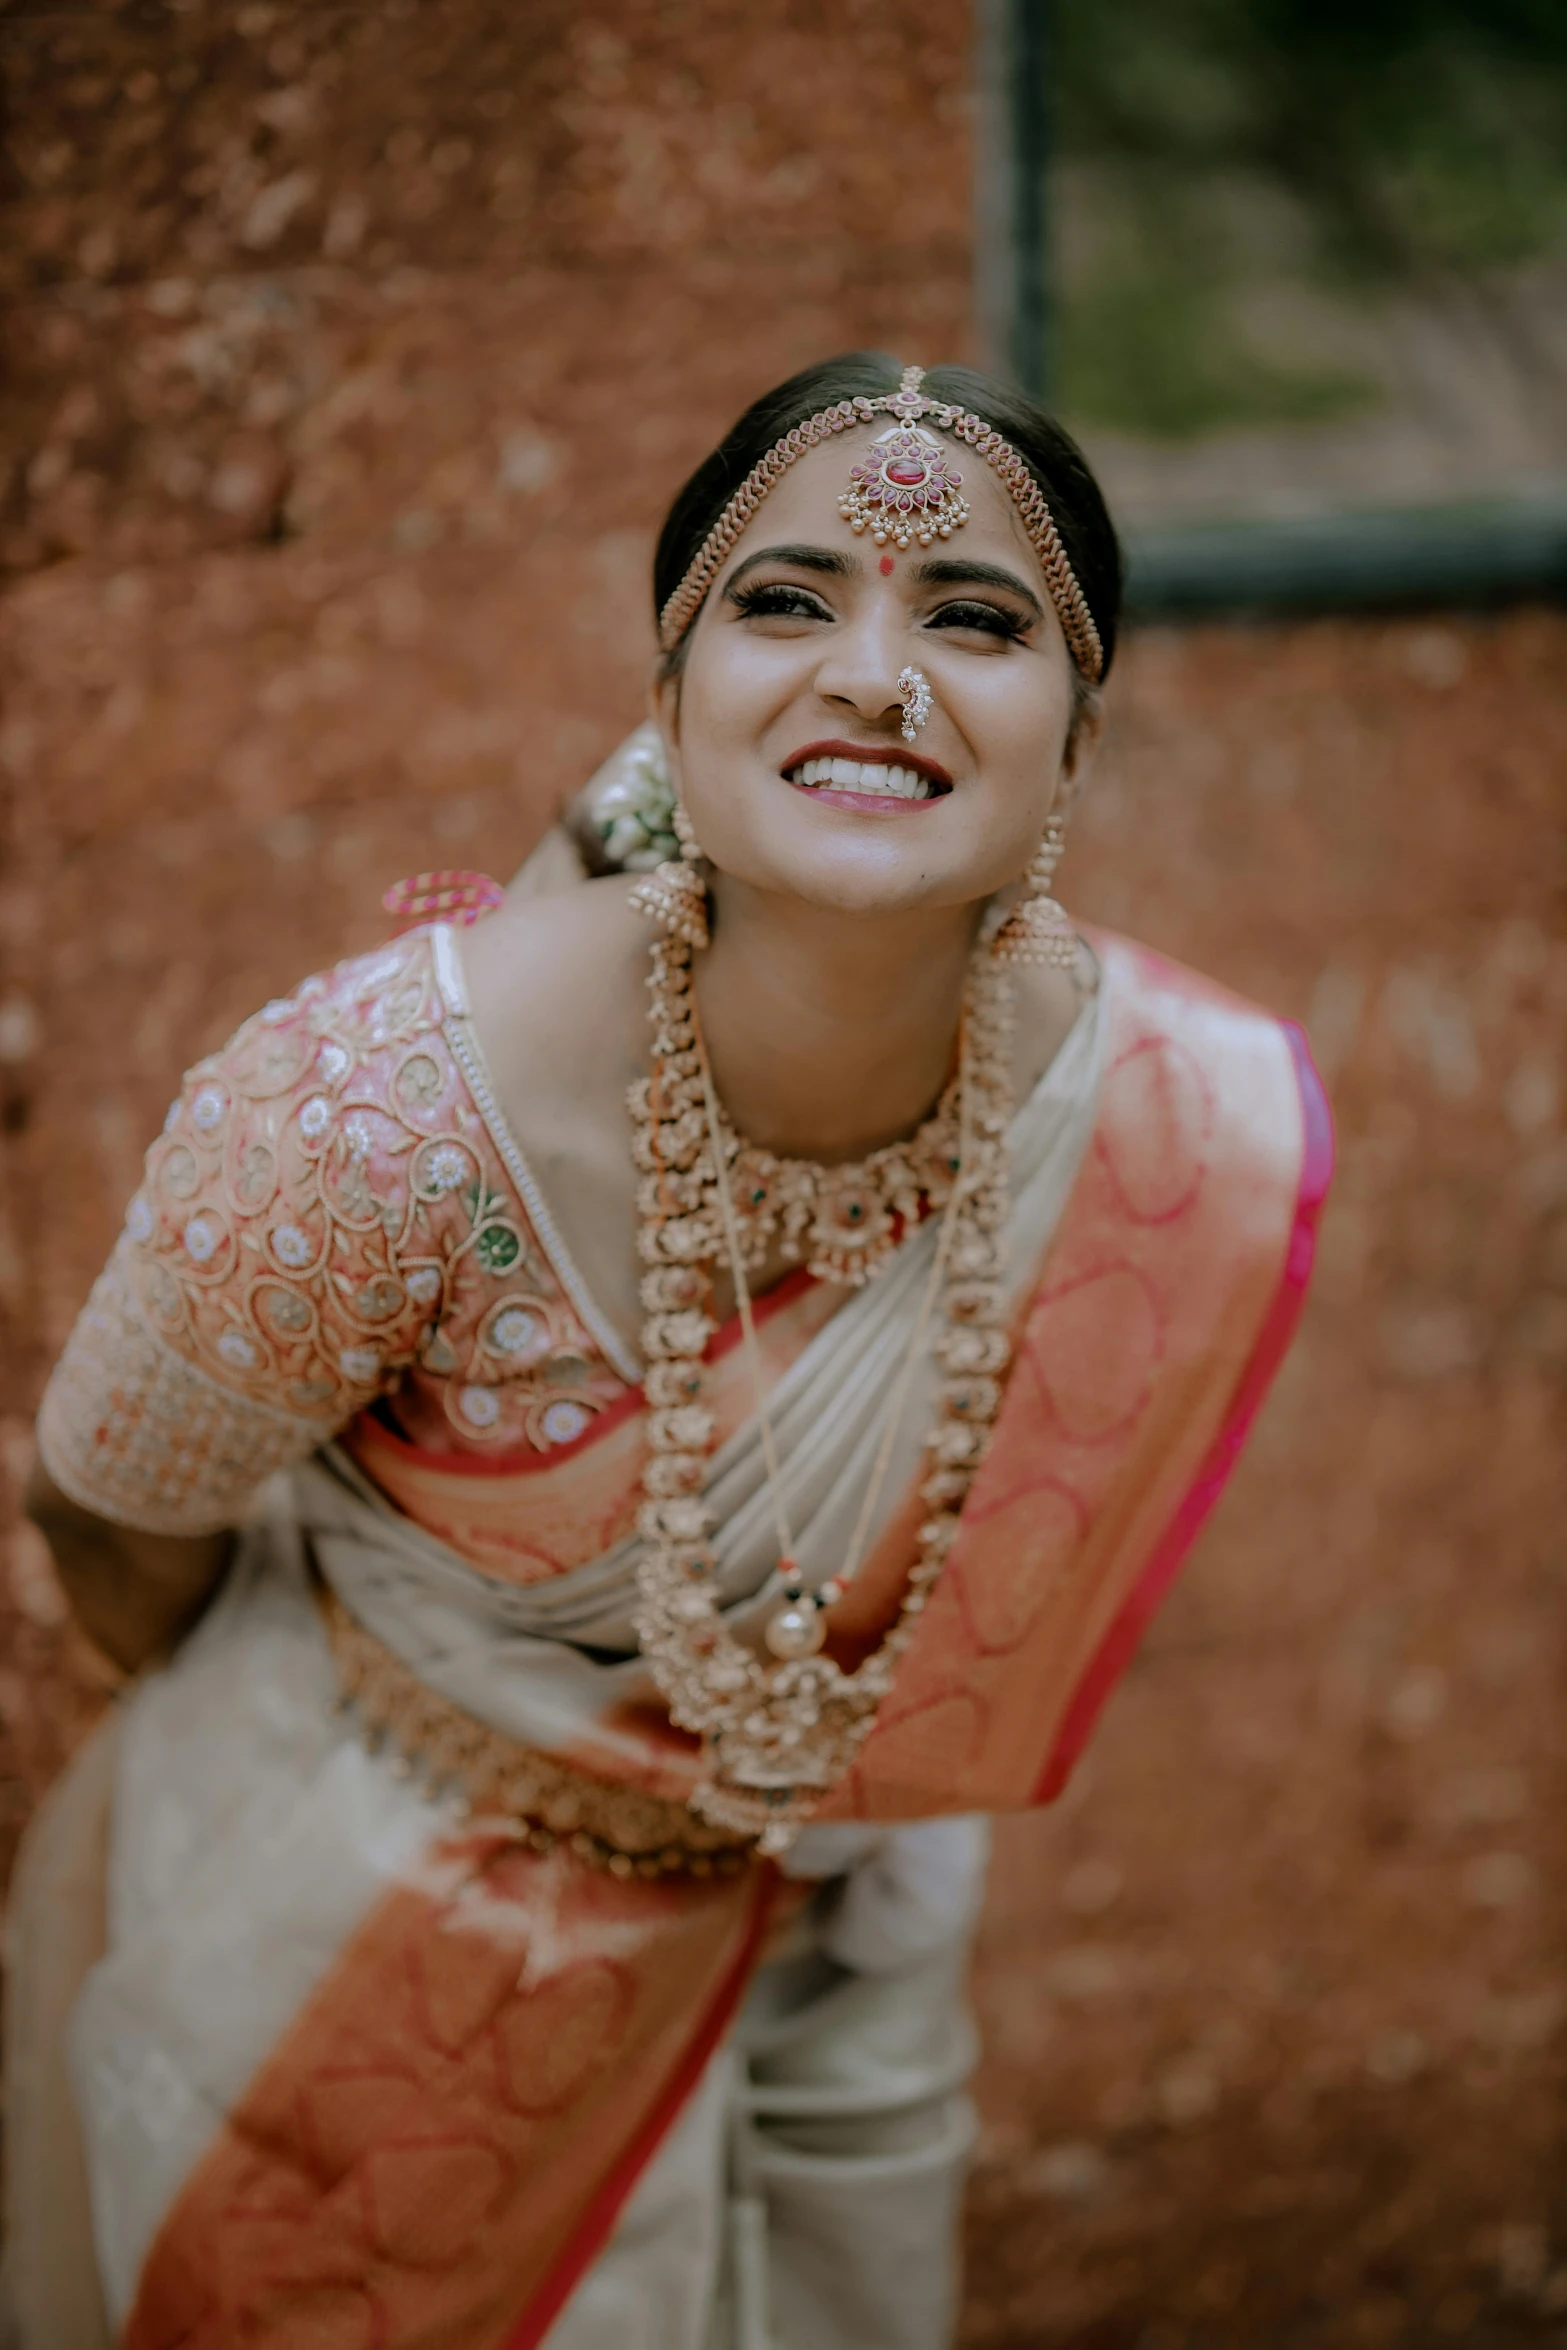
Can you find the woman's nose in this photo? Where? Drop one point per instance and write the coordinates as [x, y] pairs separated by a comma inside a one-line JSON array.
[[860, 670]]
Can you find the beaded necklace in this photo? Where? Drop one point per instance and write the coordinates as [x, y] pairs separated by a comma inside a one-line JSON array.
[[778, 1730]]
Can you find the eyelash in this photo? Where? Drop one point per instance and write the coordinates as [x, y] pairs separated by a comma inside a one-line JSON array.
[[991, 618], [776, 599], [779, 599]]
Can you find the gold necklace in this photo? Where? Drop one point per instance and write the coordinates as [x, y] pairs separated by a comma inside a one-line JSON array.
[[777, 1731], [844, 1221]]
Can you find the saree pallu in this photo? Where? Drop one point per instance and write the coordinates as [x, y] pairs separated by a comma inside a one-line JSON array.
[[354, 2070]]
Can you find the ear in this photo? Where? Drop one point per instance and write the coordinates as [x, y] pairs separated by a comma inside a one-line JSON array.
[[1083, 738], [663, 703]]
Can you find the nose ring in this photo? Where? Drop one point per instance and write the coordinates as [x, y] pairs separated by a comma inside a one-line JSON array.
[[914, 694]]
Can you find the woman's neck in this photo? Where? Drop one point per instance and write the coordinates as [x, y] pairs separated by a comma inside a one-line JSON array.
[[829, 1033]]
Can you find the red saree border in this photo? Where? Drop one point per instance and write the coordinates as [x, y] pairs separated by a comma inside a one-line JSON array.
[[444, 2134], [597, 2223], [1274, 1338], [1164, 1300]]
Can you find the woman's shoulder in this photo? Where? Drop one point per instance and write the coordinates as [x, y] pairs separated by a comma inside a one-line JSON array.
[[327, 1209], [1162, 986], [556, 987], [560, 948], [337, 1201], [1189, 1059], [326, 1188], [349, 1013], [267, 1240]]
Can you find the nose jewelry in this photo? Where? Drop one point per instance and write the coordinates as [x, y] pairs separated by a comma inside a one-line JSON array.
[[914, 694]]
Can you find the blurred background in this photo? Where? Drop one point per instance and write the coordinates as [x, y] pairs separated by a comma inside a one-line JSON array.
[[353, 353]]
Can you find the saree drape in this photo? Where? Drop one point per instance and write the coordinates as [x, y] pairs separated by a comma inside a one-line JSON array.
[[354, 2070]]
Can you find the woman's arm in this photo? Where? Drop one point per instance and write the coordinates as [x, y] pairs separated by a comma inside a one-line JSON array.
[[133, 1594], [255, 1300]]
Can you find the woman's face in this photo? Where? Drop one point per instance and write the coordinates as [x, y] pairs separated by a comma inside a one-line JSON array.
[[794, 660]]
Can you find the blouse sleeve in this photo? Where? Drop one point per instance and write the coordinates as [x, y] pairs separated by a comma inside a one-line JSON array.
[[281, 1264]]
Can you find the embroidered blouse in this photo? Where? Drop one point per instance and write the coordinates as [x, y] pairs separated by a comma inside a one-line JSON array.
[[335, 1219]]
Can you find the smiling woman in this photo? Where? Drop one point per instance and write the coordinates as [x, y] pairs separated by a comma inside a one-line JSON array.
[[611, 1450]]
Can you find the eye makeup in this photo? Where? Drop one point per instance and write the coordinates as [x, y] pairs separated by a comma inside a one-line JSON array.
[[777, 599], [991, 619]]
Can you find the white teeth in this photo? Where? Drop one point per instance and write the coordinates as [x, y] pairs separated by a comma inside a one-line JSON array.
[[902, 783]]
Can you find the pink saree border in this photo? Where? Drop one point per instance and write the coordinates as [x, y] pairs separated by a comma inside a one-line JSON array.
[[1115, 1650], [598, 2220]]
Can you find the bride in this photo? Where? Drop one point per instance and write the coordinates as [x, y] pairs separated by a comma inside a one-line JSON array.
[[615, 1433]]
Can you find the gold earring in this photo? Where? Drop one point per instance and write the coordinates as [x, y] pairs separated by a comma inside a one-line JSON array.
[[1038, 929], [674, 894]]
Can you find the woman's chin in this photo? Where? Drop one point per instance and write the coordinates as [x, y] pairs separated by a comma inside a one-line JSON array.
[[865, 887]]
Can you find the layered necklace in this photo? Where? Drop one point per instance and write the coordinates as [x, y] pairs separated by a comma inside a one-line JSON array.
[[780, 1726]]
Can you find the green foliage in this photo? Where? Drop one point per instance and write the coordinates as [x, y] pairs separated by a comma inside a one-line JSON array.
[[1395, 140], [1417, 130], [1420, 132], [1157, 357]]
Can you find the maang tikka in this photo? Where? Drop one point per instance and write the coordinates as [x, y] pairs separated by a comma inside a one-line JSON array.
[[674, 895], [905, 487], [1039, 929]]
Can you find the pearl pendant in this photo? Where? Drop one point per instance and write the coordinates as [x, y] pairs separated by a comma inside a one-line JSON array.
[[796, 1630]]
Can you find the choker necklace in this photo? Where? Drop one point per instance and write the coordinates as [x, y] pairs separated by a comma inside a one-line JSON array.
[[779, 1729], [843, 1221]]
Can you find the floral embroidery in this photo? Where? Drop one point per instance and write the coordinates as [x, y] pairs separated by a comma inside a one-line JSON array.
[[203, 1238], [295, 1253], [515, 1331], [480, 1405], [564, 1422]]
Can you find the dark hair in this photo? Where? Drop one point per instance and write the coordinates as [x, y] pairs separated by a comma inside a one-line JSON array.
[[1052, 456]]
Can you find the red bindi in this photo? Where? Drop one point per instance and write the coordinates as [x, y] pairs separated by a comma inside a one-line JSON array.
[[886, 567]]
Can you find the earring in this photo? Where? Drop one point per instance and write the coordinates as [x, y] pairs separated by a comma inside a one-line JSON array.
[[674, 895], [1038, 929]]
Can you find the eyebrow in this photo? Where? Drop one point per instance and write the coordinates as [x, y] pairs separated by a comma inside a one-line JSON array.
[[955, 571], [820, 559]]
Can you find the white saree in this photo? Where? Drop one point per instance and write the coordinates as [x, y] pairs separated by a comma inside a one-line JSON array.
[[806, 2199]]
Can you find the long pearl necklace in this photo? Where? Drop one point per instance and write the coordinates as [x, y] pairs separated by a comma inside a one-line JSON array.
[[778, 1729]]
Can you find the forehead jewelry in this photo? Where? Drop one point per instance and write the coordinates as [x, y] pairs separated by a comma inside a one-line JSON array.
[[914, 694], [904, 488]]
